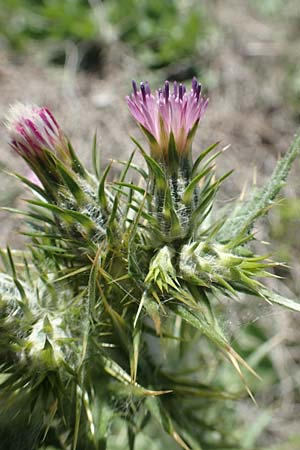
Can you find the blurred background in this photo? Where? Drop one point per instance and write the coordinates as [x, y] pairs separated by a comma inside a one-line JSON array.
[[79, 56]]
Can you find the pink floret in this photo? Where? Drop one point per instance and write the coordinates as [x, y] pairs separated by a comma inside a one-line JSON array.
[[33, 129], [165, 112]]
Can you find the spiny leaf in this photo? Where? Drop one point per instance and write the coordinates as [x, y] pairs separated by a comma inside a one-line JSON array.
[[115, 205], [191, 387], [92, 283], [212, 331], [78, 409], [136, 168], [211, 159], [243, 216], [132, 230], [152, 309], [67, 214], [73, 273], [70, 182], [135, 352], [202, 156], [273, 297], [170, 214], [188, 193], [30, 214], [150, 136], [204, 207], [96, 157], [14, 275], [101, 189], [76, 164], [154, 168], [30, 184], [138, 189], [173, 159], [116, 371]]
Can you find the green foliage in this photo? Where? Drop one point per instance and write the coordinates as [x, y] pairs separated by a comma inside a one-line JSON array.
[[109, 319], [243, 216], [162, 32], [23, 20], [159, 32]]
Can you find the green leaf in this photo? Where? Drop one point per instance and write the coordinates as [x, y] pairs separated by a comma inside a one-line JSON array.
[[70, 182], [189, 191], [31, 185], [67, 214], [173, 159], [150, 136], [189, 387], [115, 205], [96, 157], [279, 299], [154, 168], [170, 214], [136, 168], [18, 284], [113, 369], [102, 198], [243, 216], [33, 216], [78, 413], [202, 156], [76, 164], [138, 189], [134, 352], [210, 328]]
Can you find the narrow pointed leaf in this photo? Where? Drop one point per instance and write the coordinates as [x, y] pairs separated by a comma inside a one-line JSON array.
[[102, 198], [76, 166], [188, 193], [273, 297], [244, 215], [96, 157], [202, 156]]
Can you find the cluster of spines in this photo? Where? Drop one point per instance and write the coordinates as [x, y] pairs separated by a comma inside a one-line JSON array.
[[118, 252]]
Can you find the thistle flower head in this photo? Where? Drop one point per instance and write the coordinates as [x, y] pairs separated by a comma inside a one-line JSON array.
[[33, 129], [169, 112]]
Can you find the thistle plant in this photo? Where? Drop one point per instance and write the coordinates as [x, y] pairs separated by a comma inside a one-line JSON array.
[[105, 312]]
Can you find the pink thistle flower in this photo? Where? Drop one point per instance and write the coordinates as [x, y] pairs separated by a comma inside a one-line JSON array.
[[165, 113], [33, 129]]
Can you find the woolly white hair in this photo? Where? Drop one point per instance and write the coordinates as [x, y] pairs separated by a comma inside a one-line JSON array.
[[37, 125]]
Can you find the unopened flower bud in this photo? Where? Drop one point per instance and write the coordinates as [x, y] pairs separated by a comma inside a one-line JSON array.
[[32, 130]]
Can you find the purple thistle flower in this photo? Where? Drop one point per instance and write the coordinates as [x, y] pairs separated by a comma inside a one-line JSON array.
[[33, 129], [167, 112]]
